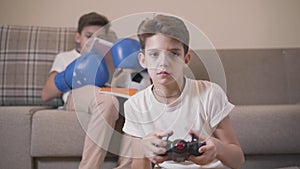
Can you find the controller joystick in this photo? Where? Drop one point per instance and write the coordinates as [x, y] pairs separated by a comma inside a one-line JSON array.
[[179, 150]]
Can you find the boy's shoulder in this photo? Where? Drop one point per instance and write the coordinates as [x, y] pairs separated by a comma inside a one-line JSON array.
[[139, 99], [210, 89], [68, 53], [140, 94], [67, 56], [202, 83], [205, 85], [143, 92]]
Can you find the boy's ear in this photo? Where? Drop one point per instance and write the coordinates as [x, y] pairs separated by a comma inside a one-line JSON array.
[[77, 37], [142, 60], [187, 58]]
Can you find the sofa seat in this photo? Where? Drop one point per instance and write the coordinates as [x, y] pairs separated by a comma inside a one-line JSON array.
[[56, 133], [269, 134], [268, 129], [58, 138]]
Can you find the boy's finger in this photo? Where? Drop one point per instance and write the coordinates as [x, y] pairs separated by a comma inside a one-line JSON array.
[[158, 142], [160, 159], [165, 133], [198, 159], [202, 149], [196, 135], [159, 150]]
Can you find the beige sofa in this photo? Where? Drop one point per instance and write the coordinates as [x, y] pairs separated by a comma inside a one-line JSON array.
[[264, 84]]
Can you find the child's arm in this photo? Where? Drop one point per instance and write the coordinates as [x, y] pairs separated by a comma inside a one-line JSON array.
[[138, 158], [227, 144], [138, 163], [50, 91], [224, 146]]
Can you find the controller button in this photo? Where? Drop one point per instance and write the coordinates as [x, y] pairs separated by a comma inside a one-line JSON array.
[[180, 145]]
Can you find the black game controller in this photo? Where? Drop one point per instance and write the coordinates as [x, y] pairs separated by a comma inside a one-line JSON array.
[[179, 150]]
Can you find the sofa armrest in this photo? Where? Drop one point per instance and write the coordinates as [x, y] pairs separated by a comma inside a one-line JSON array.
[[15, 140]]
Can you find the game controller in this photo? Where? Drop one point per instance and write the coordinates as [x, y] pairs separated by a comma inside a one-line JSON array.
[[179, 150]]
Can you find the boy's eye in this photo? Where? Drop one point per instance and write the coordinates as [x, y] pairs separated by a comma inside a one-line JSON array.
[[157, 53], [154, 54], [88, 36], [174, 54]]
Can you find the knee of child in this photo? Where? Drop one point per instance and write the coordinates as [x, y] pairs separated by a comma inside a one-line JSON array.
[[108, 102], [107, 99]]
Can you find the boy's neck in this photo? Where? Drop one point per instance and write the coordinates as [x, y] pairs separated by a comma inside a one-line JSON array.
[[168, 93]]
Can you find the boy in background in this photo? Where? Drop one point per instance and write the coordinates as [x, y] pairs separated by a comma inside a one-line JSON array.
[[102, 108]]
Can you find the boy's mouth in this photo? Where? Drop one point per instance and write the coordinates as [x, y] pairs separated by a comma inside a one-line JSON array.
[[163, 73]]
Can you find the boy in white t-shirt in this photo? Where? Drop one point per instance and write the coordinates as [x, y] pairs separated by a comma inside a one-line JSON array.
[[176, 105], [101, 109]]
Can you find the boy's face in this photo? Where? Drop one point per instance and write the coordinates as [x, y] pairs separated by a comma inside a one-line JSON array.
[[85, 34], [164, 58]]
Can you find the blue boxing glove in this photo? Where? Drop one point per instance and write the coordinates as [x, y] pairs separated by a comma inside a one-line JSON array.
[[125, 54], [88, 69]]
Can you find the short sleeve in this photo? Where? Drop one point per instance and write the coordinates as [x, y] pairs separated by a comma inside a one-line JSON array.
[[58, 64], [218, 106], [131, 125], [62, 60]]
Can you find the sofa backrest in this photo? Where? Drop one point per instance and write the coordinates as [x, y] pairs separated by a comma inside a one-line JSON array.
[[26, 56], [253, 76], [257, 76]]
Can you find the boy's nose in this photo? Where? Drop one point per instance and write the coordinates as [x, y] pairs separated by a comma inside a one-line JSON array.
[[164, 58]]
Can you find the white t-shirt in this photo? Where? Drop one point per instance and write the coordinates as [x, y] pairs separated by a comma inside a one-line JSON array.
[[201, 106], [60, 63]]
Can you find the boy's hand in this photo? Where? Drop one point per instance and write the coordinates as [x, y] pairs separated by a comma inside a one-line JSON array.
[[209, 151], [154, 145]]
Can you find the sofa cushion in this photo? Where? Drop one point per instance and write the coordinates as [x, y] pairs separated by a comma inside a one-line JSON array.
[[26, 56], [58, 133], [255, 76], [267, 129], [292, 59], [271, 161]]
